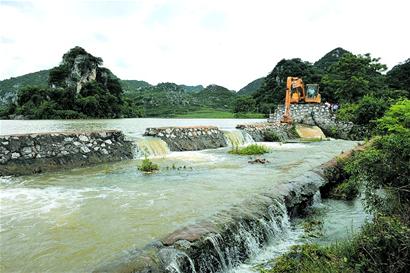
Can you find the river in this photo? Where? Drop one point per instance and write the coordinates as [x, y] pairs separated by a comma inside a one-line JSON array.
[[74, 220]]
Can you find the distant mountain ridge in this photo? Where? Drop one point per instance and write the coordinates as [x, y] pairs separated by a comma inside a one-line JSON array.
[[251, 87], [330, 58], [10, 87]]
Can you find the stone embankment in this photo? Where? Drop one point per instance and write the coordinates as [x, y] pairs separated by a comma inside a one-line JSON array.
[[321, 116], [35, 153], [229, 237], [189, 138], [267, 131]]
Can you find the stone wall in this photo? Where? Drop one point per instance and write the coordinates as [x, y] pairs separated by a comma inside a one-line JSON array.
[[189, 138], [36, 153], [205, 246], [302, 113], [267, 131], [319, 115]]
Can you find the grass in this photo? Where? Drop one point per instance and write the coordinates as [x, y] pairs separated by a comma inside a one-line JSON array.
[[212, 113], [253, 149], [147, 166]]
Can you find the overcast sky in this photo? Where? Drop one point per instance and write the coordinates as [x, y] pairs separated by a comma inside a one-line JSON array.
[[225, 42]]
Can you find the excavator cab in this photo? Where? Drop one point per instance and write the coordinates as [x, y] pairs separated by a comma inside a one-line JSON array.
[[312, 93]]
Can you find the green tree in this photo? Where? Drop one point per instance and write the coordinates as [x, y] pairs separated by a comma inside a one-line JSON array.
[[398, 79], [396, 119], [365, 111], [244, 104], [352, 77]]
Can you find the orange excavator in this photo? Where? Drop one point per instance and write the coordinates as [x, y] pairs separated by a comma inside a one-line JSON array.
[[296, 93]]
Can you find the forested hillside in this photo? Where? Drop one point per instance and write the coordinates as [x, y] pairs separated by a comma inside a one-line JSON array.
[[251, 87]]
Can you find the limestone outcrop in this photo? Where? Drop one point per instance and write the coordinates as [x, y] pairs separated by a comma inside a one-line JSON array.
[[83, 71]]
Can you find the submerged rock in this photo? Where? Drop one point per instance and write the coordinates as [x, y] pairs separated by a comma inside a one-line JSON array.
[[258, 161]]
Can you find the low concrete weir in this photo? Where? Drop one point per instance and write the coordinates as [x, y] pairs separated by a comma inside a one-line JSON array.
[[191, 138], [35, 153], [231, 236]]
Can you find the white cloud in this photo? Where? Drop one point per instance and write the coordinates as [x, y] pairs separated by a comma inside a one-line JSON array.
[[197, 42]]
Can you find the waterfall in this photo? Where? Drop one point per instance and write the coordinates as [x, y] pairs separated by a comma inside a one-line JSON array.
[[150, 147], [237, 138], [178, 263], [244, 240], [317, 200]]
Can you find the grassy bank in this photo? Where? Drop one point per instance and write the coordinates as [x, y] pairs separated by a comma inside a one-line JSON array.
[[212, 113], [382, 246]]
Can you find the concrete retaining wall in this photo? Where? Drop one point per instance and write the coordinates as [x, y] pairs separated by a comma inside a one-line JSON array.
[[36, 153], [189, 138]]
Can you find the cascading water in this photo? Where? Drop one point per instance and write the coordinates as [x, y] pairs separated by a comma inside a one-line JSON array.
[[151, 147], [178, 261], [237, 138], [244, 240]]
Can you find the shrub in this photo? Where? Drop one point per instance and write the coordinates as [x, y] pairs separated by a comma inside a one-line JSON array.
[[396, 119], [148, 166], [365, 111], [253, 149], [382, 246], [385, 174], [347, 190]]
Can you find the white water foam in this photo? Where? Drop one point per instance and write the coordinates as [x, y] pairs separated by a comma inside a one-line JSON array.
[[151, 147], [237, 138]]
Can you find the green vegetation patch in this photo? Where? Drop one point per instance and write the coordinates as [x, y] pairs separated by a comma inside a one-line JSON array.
[[148, 166], [214, 113], [253, 149], [347, 190], [382, 246], [206, 113]]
